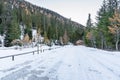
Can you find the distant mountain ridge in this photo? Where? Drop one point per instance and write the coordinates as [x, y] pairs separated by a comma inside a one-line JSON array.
[[43, 11]]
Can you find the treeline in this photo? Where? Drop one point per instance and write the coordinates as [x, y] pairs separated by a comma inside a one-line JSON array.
[[105, 34], [50, 25]]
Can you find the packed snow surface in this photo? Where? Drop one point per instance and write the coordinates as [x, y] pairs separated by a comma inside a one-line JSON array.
[[63, 63]]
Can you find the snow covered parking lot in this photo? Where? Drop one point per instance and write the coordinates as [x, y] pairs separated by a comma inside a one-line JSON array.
[[65, 63]]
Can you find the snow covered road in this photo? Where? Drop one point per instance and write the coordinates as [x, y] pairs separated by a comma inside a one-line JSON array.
[[66, 63]]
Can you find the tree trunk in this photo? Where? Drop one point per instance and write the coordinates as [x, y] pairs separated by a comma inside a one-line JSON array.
[[102, 42], [105, 44], [91, 43], [117, 45], [117, 40]]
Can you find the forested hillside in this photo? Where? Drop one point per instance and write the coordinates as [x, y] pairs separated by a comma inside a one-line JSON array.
[[18, 20]]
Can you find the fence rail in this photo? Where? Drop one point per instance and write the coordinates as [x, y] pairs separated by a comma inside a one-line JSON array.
[[13, 56]]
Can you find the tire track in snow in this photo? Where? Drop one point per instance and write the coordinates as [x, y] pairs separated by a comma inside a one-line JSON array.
[[86, 66], [108, 65], [95, 70], [72, 68]]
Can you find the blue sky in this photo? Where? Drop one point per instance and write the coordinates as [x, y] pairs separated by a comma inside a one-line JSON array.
[[77, 10]]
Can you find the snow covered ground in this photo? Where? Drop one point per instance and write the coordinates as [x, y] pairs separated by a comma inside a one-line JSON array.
[[64, 63]]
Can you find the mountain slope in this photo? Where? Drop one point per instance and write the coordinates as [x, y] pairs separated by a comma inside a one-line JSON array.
[[27, 16], [50, 13]]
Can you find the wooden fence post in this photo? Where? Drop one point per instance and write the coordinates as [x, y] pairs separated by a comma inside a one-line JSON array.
[[38, 48], [33, 52], [13, 58], [41, 50]]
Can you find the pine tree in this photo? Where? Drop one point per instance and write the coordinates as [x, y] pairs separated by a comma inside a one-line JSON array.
[[102, 24], [1, 6], [1, 19], [89, 38], [13, 30], [89, 23], [105, 12]]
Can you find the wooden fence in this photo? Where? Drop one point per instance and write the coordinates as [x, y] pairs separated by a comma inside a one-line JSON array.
[[33, 52]]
